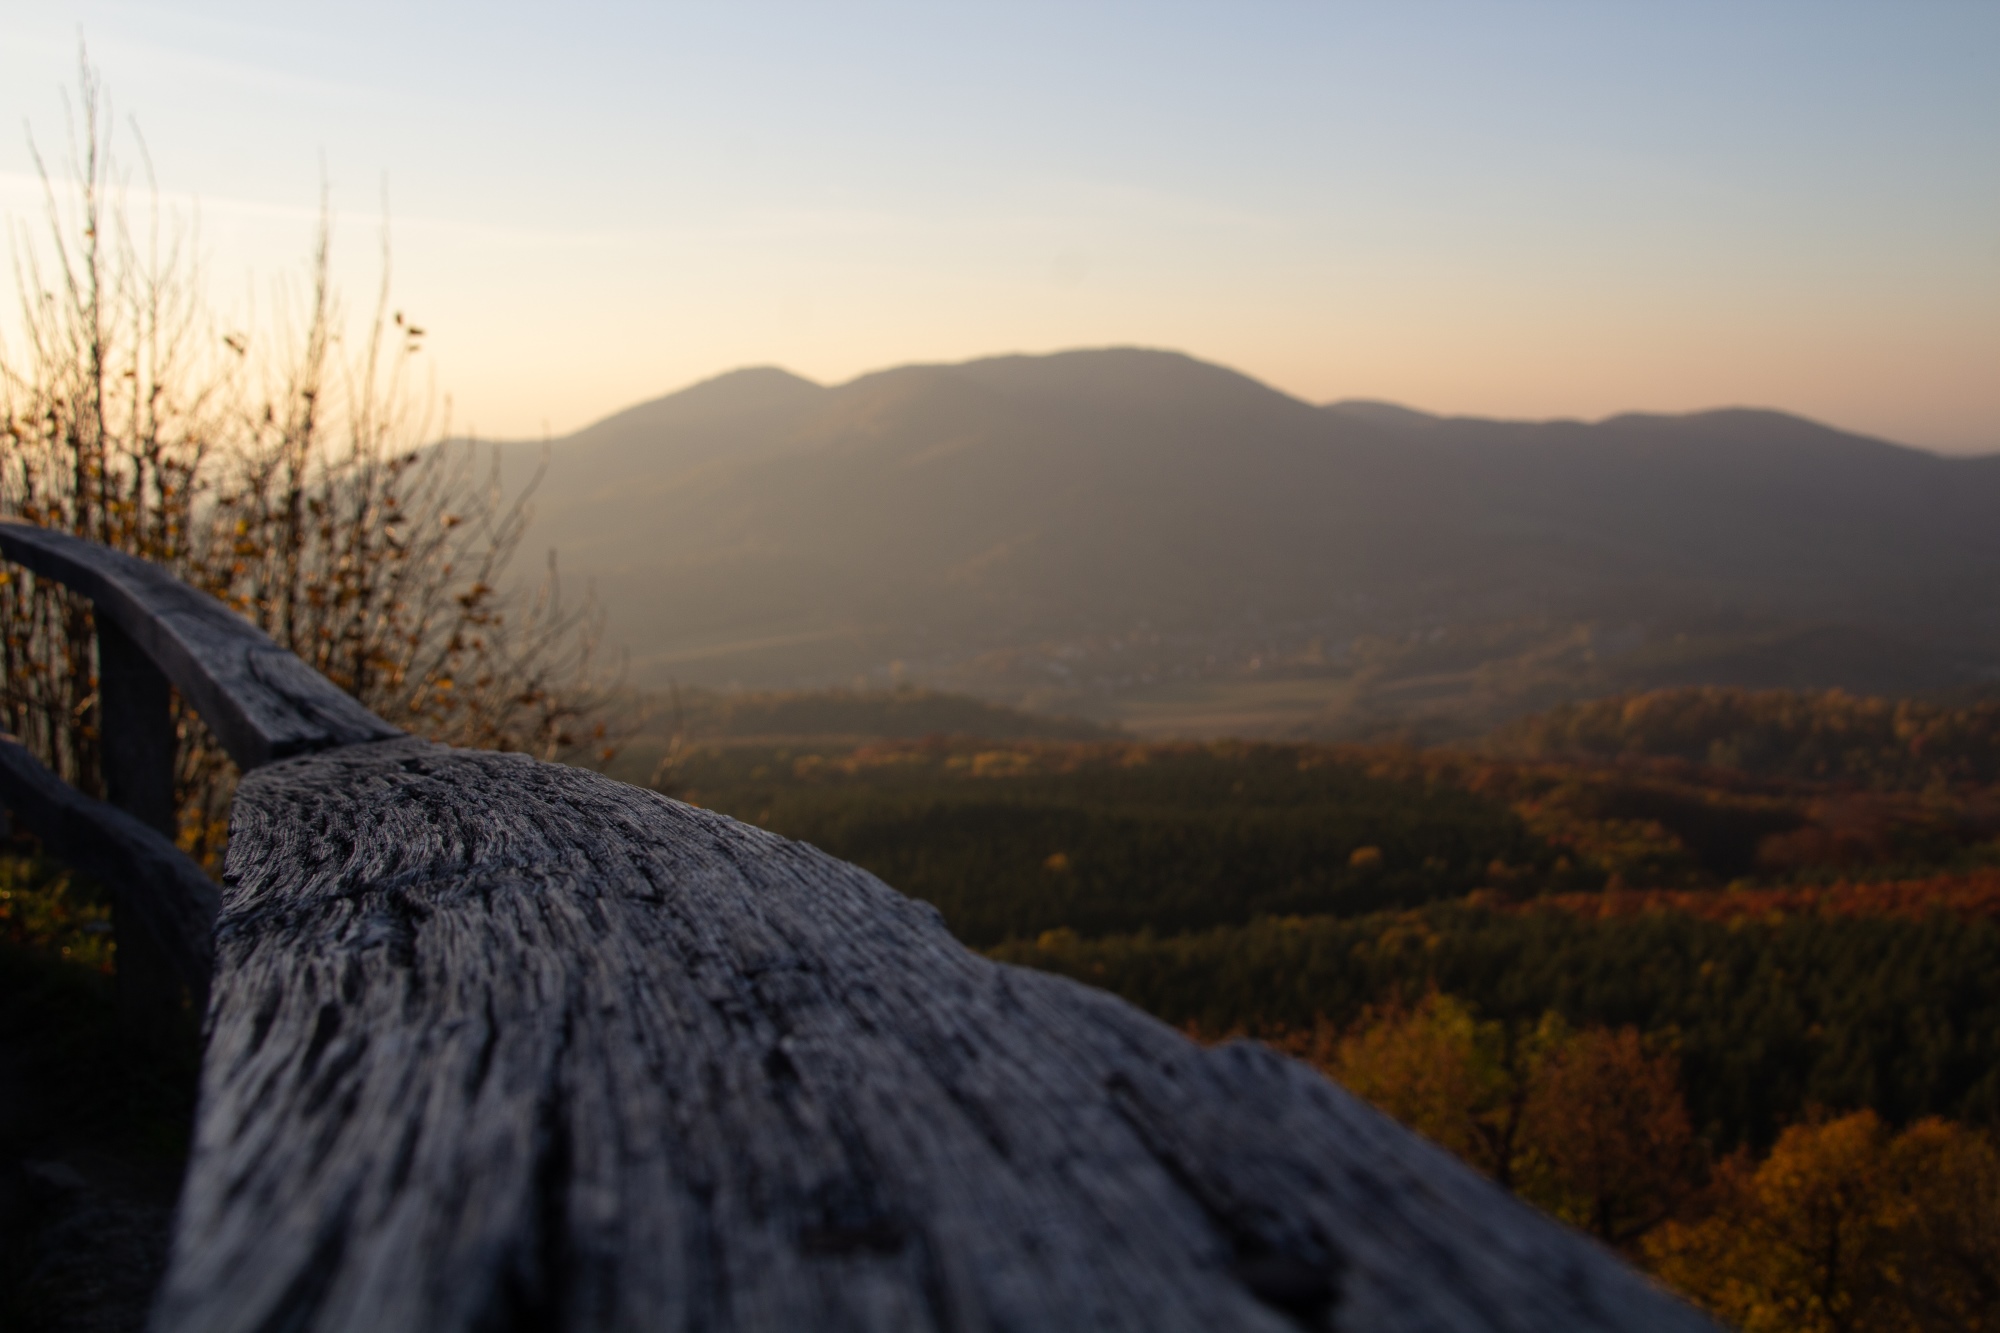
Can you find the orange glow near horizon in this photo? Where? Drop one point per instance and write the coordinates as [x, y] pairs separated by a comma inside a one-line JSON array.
[[1529, 211]]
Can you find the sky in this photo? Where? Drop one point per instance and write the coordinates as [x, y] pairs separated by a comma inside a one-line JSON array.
[[1508, 209]]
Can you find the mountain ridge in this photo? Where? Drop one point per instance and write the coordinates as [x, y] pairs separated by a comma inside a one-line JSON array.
[[1092, 525]]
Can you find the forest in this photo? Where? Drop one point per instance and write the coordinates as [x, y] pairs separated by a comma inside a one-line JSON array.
[[1742, 942]]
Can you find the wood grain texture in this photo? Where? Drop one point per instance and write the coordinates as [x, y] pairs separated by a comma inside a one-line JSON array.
[[151, 881], [261, 702], [501, 1045]]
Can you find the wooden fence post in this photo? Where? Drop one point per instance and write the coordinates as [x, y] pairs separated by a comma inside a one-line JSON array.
[[136, 722]]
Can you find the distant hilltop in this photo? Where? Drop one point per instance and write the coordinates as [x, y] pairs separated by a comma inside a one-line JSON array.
[[1142, 537]]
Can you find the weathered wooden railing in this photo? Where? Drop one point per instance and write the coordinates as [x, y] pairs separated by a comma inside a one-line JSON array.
[[494, 1044]]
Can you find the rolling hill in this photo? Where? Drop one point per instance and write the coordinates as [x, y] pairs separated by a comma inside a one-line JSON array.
[[1142, 537]]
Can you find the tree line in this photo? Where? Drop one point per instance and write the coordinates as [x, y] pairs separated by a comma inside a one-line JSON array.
[[1901, 744], [1009, 841], [1770, 1017]]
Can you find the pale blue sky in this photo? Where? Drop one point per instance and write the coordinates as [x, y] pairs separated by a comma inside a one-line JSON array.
[[1503, 208]]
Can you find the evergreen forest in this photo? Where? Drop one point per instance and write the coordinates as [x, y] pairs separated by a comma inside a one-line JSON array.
[[1751, 936]]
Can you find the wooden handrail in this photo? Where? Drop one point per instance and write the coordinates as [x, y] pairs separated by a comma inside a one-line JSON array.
[[261, 702], [499, 1044]]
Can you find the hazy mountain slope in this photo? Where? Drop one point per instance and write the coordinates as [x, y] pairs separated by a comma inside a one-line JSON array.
[[603, 482], [1007, 498], [1767, 508], [1111, 520]]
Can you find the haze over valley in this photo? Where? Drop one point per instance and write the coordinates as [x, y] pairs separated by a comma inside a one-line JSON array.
[[1139, 537]]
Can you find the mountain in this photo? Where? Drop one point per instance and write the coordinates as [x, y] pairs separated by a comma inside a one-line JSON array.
[[1144, 537]]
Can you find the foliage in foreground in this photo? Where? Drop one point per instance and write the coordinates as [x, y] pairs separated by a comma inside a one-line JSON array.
[[1844, 1225], [1847, 1226], [265, 467], [48, 910], [1588, 1123]]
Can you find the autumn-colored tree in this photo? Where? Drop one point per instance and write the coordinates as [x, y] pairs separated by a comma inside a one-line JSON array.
[[1949, 1257], [1846, 1227], [1607, 1134], [1588, 1124], [1459, 1081]]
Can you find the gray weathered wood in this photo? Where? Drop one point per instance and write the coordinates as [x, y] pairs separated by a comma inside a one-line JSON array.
[[497, 1044], [261, 702], [137, 725], [150, 880], [136, 740]]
